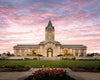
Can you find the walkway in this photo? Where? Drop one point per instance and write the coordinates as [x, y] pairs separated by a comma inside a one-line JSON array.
[[88, 75], [23, 75]]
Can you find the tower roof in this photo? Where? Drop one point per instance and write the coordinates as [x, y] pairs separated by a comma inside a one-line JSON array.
[[49, 24]]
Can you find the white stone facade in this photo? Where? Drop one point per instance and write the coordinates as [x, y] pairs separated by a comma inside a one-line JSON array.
[[50, 47]]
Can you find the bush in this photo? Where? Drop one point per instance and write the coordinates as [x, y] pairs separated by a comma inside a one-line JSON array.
[[21, 66], [73, 58], [11, 66], [27, 59], [50, 74], [39, 55], [11, 54], [68, 54], [90, 55], [18, 55], [2, 58], [59, 55], [66, 58], [27, 66], [31, 54], [34, 58]]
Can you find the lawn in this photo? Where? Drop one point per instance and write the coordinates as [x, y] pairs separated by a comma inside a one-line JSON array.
[[51, 63]]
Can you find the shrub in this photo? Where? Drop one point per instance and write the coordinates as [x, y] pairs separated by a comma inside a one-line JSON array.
[[66, 58], [3, 58], [31, 54], [27, 66], [27, 58], [21, 66], [50, 74], [18, 55], [73, 58], [34, 58], [59, 55], [68, 54], [90, 55], [39, 55], [11, 66], [11, 54]]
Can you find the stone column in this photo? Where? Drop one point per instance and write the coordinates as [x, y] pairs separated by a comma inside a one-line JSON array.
[[58, 50], [70, 51], [84, 53], [79, 52], [25, 52], [74, 52], [40, 49], [20, 52], [61, 51], [15, 53], [38, 52]]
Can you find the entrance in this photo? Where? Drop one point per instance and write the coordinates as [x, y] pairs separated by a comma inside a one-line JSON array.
[[49, 52]]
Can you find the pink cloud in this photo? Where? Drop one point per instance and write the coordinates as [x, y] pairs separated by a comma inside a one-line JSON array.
[[81, 3], [79, 16], [64, 30], [9, 9], [92, 45], [4, 28], [94, 14], [15, 33]]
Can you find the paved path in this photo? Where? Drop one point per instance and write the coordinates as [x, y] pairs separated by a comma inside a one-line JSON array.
[[16, 75], [23, 75], [88, 75], [13, 75]]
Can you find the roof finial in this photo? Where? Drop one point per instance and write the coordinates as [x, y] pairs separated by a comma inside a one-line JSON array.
[[49, 18]]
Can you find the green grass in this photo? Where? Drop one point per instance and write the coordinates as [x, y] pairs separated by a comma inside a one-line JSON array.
[[52, 64]]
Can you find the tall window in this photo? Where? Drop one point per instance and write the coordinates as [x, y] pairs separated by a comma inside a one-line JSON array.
[[66, 52], [76, 54], [81, 53], [33, 52]]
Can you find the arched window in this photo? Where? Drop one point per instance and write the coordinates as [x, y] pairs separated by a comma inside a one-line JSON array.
[[49, 52], [33, 52], [76, 54], [81, 54], [65, 51]]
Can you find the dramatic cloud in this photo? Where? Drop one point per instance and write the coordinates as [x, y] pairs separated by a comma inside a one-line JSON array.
[[24, 22]]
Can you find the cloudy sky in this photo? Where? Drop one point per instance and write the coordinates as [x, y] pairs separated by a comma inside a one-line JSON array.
[[75, 22]]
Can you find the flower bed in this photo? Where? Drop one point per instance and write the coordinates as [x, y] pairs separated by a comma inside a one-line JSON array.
[[50, 74], [84, 69], [13, 68]]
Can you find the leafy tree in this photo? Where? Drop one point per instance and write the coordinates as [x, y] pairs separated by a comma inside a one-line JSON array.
[[8, 54]]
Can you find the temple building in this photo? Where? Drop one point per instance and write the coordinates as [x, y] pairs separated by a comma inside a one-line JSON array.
[[49, 47]]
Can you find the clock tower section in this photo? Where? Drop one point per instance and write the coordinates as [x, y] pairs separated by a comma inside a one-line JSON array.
[[49, 32]]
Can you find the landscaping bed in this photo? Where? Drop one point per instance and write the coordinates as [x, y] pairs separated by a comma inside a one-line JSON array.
[[84, 69], [13, 68], [49, 74], [51, 63]]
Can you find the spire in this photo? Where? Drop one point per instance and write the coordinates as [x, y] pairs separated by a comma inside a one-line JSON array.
[[50, 24], [49, 18]]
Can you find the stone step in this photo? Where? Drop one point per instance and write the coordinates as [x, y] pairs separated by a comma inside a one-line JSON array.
[[50, 58]]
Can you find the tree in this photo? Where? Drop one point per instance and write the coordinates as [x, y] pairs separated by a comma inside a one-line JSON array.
[[8, 53]]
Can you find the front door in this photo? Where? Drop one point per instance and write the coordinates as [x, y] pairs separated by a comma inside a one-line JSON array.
[[49, 52]]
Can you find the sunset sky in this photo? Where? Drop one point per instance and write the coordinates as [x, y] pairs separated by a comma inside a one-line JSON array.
[[24, 22]]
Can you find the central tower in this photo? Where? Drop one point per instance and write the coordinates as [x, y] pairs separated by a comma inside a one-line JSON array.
[[49, 32]]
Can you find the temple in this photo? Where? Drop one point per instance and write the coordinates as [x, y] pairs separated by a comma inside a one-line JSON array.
[[49, 47]]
